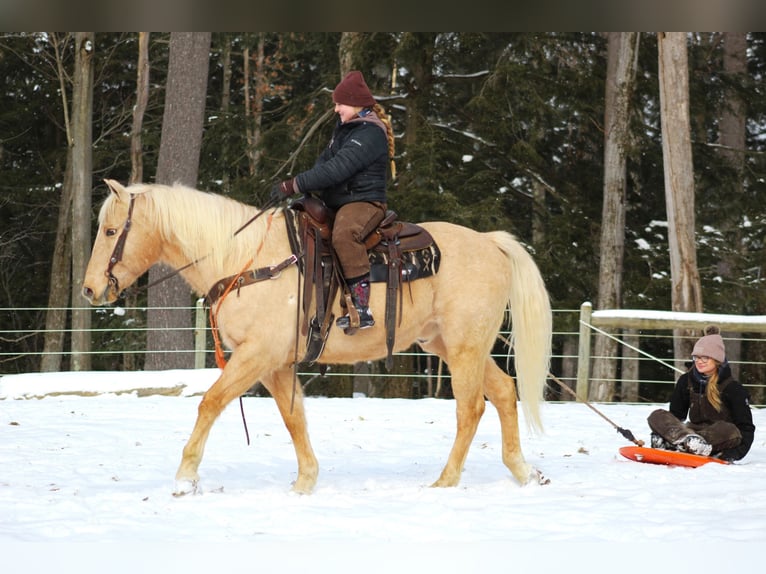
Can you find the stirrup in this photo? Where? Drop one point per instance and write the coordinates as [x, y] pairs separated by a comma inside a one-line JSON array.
[[366, 321]]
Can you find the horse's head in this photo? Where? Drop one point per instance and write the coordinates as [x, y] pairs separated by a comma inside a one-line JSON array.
[[124, 248]]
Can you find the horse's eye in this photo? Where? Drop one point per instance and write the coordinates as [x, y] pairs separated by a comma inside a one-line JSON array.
[[111, 231]]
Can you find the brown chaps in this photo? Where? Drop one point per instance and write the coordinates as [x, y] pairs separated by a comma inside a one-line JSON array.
[[353, 222]]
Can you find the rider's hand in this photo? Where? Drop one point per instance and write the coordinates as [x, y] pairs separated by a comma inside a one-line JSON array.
[[283, 189]]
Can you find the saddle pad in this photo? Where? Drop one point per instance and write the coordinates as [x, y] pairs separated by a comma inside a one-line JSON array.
[[415, 264]]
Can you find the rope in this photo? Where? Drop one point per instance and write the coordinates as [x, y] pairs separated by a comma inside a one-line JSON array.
[[624, 432], [602, 332]]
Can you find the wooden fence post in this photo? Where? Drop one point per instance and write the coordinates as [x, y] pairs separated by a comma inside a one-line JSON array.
[[583, 353], [200, 334]]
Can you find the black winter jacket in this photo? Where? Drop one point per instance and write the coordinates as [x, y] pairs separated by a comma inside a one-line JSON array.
[[735, 406], [352, 167]]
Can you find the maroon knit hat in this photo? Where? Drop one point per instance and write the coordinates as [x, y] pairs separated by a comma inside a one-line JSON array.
[[353, 91]]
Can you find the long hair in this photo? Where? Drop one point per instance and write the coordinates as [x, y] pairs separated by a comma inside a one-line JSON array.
[[713, 393], [386, 119]]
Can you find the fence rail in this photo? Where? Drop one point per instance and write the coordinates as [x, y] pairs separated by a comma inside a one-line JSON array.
[[628, 323], [645, 363]]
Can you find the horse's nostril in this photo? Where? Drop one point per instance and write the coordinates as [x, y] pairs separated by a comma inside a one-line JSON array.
[[87, 292]]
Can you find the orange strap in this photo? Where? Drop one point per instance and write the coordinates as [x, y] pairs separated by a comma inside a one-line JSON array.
[[220, 360]]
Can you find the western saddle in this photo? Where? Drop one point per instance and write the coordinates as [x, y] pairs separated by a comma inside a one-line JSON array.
[[399, 252]]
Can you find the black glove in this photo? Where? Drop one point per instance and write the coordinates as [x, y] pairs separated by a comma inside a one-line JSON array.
[[283, 189]]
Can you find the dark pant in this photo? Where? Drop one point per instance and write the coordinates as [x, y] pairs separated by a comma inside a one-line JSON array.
[[720, 434], [354, 222]]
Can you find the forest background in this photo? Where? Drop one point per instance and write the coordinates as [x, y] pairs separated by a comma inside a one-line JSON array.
[[631, 165]]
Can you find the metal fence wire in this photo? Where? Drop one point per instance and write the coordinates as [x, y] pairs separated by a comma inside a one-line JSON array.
[[644, 367]]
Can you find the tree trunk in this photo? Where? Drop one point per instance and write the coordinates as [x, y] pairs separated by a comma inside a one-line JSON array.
[[349, 51], [61, 267], [170, 329], [686, 291], [225, 106], [254, 102], [620, 81], [732, 138], [416, 54], [82, 182], [142, 99], [129, 362], [59, 293]]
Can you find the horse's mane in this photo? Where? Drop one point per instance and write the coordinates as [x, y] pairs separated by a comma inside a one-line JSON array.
[[202, 224]]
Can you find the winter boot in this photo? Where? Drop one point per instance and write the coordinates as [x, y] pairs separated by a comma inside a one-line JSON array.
[[360, 297], [659, 442], [695, 444]]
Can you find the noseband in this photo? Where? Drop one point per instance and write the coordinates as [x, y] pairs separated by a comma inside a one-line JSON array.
[[119, 247]]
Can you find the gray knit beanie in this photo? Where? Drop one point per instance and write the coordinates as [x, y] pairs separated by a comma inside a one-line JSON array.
[[711, 345]]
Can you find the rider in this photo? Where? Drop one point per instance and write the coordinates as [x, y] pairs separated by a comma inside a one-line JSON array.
[[350, 177]]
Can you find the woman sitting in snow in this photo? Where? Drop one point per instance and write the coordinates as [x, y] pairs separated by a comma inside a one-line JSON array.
[[720, 422]]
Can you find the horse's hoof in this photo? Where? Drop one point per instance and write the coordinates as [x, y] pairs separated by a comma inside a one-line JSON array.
[[540, 477], [184, 487], [303, 487]]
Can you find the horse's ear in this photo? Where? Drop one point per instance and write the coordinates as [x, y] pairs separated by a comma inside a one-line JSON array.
[[117, 188]]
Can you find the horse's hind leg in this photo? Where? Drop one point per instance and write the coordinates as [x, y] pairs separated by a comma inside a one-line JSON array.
[[280, 385], [470, 406], [500, 389]]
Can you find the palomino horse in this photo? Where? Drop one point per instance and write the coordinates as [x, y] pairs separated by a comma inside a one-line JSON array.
[[455, 314]]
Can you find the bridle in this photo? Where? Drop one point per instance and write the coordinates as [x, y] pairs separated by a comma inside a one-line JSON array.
[[119, 247]]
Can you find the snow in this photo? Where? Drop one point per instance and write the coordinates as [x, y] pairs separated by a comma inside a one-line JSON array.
[[87, 465], [670, 317]]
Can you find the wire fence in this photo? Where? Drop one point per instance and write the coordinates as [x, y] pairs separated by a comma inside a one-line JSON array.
[[118, 342]]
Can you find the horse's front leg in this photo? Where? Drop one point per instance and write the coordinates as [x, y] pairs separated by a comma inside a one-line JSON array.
[[280, 385], [238, 376]]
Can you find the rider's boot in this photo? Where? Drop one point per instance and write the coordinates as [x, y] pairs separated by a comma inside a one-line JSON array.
[[360, 297]]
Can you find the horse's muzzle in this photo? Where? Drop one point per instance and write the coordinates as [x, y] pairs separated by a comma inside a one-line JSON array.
[[107, 296]]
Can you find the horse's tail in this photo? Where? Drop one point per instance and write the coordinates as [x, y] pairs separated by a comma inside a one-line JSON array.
[[532, 326]]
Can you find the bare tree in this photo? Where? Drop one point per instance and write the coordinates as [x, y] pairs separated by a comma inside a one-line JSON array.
[[686, 291], [226, 52], [82, 181], [254, 101], [170, 322], [61, 259], [58, 294], [622, 55], [142, 99], [732, 132], [129, 362], [72, 247]]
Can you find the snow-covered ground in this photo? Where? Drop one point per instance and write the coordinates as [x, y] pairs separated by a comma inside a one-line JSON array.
[[87, 462]]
